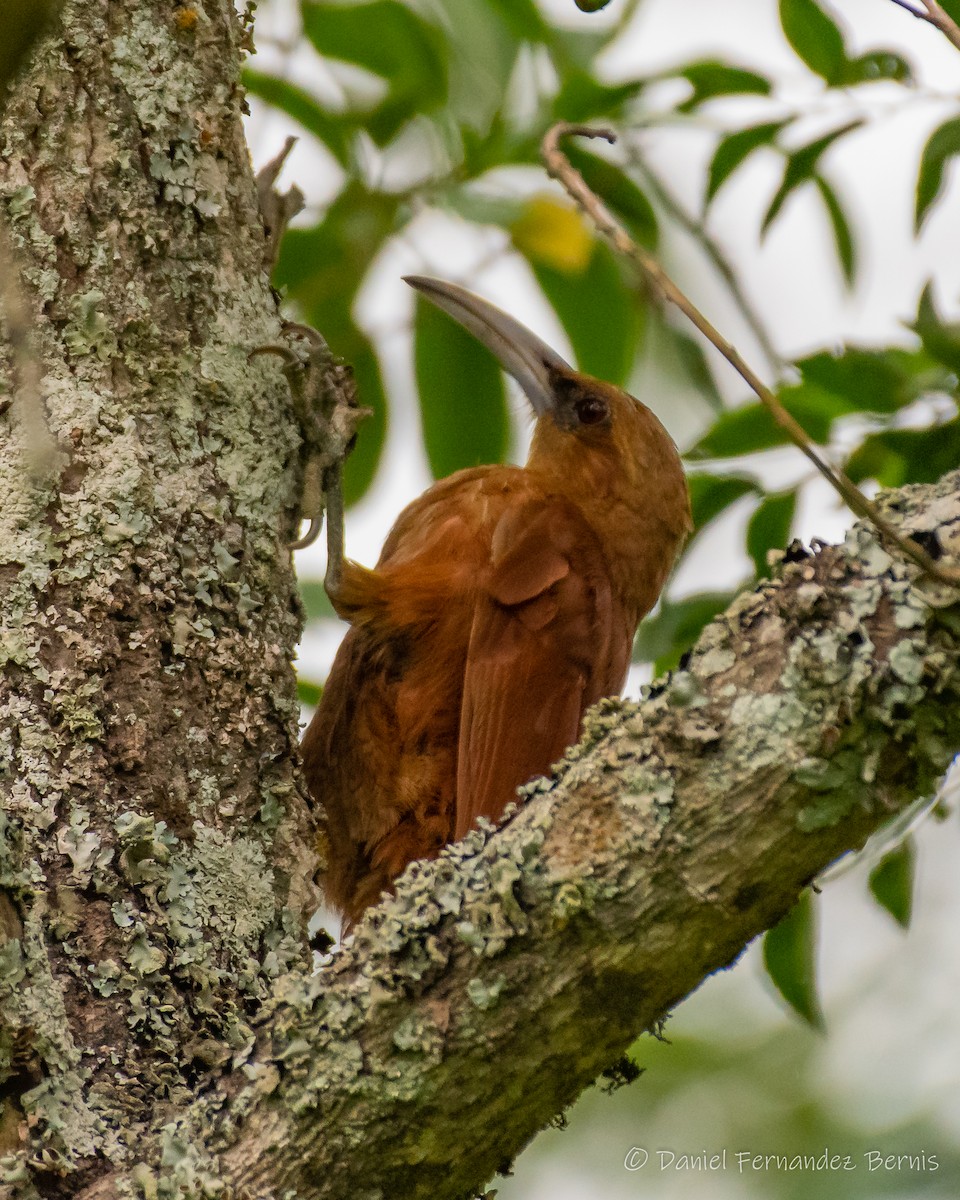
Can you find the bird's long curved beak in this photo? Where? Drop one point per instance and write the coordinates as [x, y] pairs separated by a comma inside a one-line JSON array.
[[519, 351]]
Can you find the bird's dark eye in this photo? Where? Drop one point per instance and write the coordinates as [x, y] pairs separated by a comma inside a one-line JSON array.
[[591, 410]]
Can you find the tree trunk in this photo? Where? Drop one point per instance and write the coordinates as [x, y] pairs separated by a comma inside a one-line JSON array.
[[163, 1034], [156, 856]]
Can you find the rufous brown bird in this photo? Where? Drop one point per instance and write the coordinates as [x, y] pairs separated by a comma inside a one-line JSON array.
[[503, 605]]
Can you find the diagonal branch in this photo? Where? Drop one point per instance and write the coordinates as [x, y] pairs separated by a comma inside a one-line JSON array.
[[936, 15], [504, 977]]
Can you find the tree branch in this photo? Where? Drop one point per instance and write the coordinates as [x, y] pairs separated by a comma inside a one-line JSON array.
[[522, 963], [936, 15]]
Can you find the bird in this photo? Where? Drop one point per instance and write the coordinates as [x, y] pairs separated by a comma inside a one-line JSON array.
[[503, 605]]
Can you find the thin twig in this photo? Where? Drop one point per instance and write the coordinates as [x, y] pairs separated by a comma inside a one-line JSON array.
[[560, 168], [277, 208], [936, 15], [698, 232]]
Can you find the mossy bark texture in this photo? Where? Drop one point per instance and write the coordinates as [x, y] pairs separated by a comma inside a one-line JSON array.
[[155, 853], [162, 1032]]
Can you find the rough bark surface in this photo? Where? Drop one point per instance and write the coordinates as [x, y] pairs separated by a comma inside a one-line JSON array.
[[163, 1034], [154, 846]]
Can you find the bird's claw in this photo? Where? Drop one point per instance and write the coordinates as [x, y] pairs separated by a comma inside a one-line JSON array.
[[324, 399]]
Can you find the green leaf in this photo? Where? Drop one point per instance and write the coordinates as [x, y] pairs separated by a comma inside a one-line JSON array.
[[308, 693], [462, 395], [577, 48], [711, 494], [814, 38], [769, 528], [800, 167], [679, 361], [817, 407], [483, 207], [734, 149], [390, 40], [305, 109], [503, 144], [750, 428], [898, 456], [316, 602], [602, 314], [482, 55], [833, 386], [891, 882], [711, 78], [941, 339], [693, 360], [862, 380], [877, 65], [941, 146], [789, 951], [664, 638], [619, 193], [524, 19], [857, 381], [582, 97], [323, 266], [842, 234], [742, 430]]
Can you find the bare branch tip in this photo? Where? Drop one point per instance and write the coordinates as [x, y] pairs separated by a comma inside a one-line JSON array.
[[907, 7], [936, 15], [564, 129]]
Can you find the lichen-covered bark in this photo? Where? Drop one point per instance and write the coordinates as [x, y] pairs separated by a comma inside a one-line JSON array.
[[161, 1032], [154, 846], [501, 979]]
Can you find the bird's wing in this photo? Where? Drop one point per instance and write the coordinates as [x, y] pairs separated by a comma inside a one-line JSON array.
[[544, 645]]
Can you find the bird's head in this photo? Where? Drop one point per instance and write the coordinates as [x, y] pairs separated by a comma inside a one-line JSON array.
[[592, 437]]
